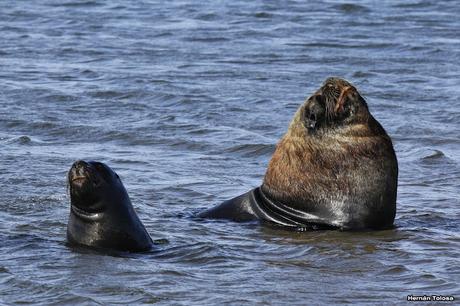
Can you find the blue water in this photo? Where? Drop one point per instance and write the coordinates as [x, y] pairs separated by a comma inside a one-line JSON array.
[[187, 101]]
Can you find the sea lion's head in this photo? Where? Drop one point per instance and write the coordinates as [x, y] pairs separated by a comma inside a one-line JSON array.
[[91, 184], [336, 103], [101, 213]]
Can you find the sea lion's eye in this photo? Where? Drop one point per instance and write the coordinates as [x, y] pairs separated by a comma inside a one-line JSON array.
[[101, 168]]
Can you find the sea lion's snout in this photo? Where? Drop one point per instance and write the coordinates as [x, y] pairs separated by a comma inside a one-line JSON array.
[[79, 170], [79, 173], [82, 173], [84, 182]]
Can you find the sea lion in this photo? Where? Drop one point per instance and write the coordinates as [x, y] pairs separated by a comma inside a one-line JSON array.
[[101, 213], [334, 168]]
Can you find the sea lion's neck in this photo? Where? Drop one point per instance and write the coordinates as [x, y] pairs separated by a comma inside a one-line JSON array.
[[286, 172], [305, 165], [85, 215]]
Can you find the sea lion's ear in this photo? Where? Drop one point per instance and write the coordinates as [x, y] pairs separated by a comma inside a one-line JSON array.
[[348, 94]]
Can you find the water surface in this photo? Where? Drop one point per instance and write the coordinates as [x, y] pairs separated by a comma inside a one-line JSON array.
[[186, 102]]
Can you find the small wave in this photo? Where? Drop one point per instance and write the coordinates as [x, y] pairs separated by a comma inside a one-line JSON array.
[[363, 74], [207, 39], [109, 94], [30, 125], [125, 294], [23, 140], [79, 4], [263, 15], [61, 98], [184, 192], [431, 221], [395, 270], [339, 45], [207, 17], [4, 270], [437, 154], [46, 293], [422, 154], [411, 5], [186, 144], [252, 150], [351, 8], [197, 253]]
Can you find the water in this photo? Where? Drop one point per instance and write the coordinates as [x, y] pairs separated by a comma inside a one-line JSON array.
[[186, 102]]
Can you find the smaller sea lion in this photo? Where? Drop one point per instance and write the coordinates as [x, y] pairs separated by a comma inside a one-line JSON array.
[[334, 168], [101, 213]]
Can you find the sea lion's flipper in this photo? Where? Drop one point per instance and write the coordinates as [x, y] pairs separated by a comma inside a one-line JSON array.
[[255, 205], [236, 209]]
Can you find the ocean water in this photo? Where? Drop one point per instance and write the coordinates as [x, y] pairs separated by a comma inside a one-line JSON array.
[[186, 101]]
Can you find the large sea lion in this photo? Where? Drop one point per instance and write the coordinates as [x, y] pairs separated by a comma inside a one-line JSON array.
[[101, 214], [334, 168]]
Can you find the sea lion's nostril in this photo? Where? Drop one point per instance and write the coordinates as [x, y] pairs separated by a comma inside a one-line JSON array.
[[81, 171], [80, 168], [82, 163], [79, 164]]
